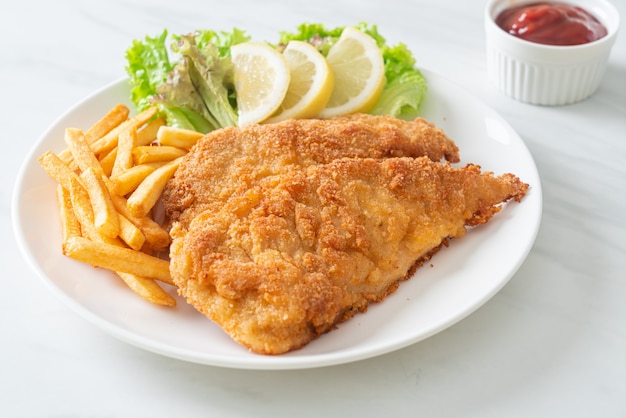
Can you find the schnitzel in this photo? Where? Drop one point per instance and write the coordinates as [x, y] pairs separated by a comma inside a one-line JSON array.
[[228, 161], [291, 253], [282, 231]]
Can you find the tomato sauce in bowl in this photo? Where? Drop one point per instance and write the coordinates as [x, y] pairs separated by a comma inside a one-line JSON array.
[[551, 23], [549, 53]]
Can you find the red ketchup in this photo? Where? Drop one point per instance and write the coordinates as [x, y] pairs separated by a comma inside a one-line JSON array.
[[551, 24]]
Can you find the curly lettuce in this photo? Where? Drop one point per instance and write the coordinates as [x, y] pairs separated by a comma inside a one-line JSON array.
[[148, 66], [189, 77]]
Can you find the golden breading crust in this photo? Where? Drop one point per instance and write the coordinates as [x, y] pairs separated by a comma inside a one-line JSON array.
[[228, 161], [296, 253]]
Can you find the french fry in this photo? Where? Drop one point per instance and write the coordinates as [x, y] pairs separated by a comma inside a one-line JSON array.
[[128, 180], [81, 205], [109, 141], [117, 115], [108, 122], [148, 133], [148, 289], [156, 236], [94, 173], [130, 234], [106, 219], [70, 226], [177, 137], [107, 161], [84, 157], [124, 156], [145, 196], [151, 154], [115, 258], [57, 169]]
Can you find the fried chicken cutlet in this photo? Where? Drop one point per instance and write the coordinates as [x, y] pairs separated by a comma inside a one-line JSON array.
[[228, 161], [299, 252]]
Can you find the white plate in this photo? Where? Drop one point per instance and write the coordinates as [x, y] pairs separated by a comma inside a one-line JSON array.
[[458, 280]]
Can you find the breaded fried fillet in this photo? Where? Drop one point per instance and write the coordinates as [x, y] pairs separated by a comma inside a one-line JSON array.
[[299, 252], [228, 161]]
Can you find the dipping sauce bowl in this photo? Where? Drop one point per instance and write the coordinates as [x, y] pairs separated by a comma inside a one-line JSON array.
[[545, 71]]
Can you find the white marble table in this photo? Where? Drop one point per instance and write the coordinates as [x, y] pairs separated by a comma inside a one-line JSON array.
[[552, 343]]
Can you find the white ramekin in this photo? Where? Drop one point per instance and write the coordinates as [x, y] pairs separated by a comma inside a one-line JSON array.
[[547, 74]]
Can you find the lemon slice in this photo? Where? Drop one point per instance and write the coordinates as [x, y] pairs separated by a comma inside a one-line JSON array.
[[311, 84], [357, 63], [261, 80]]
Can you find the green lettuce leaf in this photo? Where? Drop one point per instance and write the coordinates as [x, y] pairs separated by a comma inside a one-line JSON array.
[[189, 77], [148, 66], [406, 86], [222, 40], [212, 77]]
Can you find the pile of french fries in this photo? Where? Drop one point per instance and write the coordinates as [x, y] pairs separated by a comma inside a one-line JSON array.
[[110, 178]]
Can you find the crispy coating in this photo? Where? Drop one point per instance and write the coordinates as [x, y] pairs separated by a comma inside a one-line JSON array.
[[228, 161], [297, 252]]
